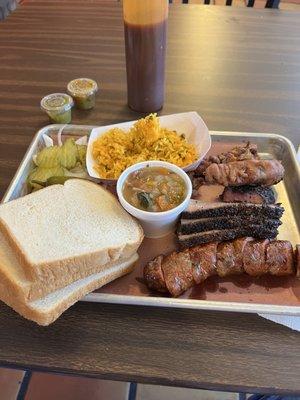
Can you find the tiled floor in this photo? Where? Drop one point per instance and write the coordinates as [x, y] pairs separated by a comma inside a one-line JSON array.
[[10, 381], [49, 387], [149, 392], [60, 387]]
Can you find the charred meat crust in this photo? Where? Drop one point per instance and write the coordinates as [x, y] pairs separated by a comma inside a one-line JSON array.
[[187, 226], [257, 231], [248, 194], [198, 209]]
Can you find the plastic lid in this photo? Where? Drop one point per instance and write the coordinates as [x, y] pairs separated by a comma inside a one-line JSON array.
[[57, 102], [82, 87]]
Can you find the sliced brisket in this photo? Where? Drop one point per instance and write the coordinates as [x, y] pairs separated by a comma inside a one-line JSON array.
[[187, 226], [257, 231], [248, 194], [201, 209]]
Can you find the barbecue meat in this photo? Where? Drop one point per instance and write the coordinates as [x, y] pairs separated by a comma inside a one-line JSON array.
[[153, 275], [279, 258], [187, 226], [203, 209], [297, 260], [254, 257], [239, 246], [178, 272], [238, 153], [248, 194], [230, 257], [204, 259], [182, 270], [257, 231], [247, 172]]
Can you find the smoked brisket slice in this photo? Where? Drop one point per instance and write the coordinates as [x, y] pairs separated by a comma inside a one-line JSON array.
[[220, 235], [248, 194], [187, 226], [201, 209]]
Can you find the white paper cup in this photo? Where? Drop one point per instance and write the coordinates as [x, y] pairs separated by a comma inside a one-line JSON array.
[[155, 224]]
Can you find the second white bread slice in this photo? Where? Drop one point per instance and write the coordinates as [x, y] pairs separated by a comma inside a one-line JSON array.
[[18, 285], [46, 310], [64, 229]]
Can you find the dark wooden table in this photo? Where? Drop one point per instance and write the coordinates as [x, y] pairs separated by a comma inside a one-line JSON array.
[[240, 69]]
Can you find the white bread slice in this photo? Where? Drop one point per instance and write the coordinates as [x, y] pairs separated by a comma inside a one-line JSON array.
[[48, 309], [64, 229], [16, 282]]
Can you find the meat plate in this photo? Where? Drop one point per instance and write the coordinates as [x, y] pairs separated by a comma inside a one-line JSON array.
[[267, 294]]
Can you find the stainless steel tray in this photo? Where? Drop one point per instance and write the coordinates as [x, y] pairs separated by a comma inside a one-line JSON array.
[[280, 297]]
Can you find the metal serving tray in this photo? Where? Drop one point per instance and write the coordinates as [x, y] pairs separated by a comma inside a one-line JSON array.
[[274, 295]]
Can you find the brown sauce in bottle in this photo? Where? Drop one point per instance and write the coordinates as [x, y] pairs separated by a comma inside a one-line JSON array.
[[145, 65]]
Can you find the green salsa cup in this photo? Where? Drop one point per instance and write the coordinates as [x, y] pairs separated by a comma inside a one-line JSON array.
[[83, 91], [58, 106]]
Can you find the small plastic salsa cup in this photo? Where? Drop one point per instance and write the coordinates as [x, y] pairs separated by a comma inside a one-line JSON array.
[[83, 91], [58, 106]]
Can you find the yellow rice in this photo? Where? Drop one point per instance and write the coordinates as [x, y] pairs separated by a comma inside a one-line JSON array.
[[116, 149]]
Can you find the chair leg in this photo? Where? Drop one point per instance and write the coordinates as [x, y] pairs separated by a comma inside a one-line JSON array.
[[272, 4], [228, 2], [250, 3]]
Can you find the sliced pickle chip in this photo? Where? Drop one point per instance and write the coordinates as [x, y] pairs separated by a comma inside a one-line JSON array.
[[68, 154], [48, 157], [81, 153], [38, 177]]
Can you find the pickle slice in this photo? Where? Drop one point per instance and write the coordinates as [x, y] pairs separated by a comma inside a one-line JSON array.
[[38, 177], [81, 153], [48, 157], [68, 154]]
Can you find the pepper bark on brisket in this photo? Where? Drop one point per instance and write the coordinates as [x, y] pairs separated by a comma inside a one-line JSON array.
[[178, 272], [204, 222], [248, 194]]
